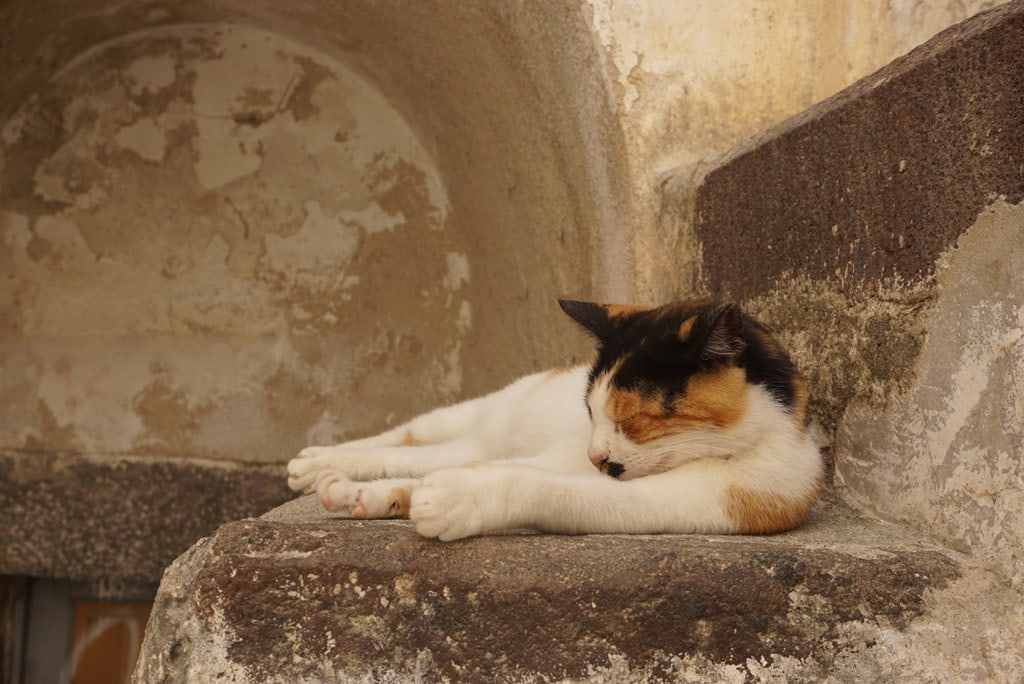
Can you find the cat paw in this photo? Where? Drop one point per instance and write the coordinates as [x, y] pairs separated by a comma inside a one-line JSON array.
[[304, 468], [454, 504], [335, 491], [363, 500], [338, 493], [356, 464]]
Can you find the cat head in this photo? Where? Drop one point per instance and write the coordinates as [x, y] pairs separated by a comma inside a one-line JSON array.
[[669, 382]]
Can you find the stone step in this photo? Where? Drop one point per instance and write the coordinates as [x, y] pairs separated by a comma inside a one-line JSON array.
[[132, 516], [302, 595]]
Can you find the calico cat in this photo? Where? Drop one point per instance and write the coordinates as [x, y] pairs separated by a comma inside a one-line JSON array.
[[691, 420]]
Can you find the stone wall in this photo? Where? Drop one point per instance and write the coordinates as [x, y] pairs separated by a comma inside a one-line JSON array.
[[692, 81]]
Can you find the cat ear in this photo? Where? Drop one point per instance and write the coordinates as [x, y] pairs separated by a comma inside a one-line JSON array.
[[724, 338], [593, 317]]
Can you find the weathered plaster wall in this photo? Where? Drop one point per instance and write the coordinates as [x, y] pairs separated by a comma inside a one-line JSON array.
[[196, 221], [694, 79], [947, 454], [225, 243]]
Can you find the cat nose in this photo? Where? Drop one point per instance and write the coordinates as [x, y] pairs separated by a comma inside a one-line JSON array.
[[597, 456]]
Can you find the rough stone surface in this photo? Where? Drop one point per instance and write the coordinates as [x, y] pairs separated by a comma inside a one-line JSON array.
[[849, 345], [302, 596], [947, 454], [877, 182], [119, 521]]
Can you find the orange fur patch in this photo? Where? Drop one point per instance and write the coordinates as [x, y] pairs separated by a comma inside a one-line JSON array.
[[616, 310], [766, 513], [687, 327], [398, 502], [713, 398], [718, 397]]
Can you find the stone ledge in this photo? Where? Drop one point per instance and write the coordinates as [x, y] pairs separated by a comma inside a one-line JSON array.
[[120, 520], [302, 596]]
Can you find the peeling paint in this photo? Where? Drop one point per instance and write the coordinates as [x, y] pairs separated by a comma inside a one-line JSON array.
[[208, 241], [145, 137], [316, 256], [458, 271]]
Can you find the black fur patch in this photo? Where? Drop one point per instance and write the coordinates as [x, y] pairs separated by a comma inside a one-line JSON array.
[[655, 351]]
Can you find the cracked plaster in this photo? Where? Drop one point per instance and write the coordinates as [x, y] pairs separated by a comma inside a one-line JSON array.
[[202, 235]]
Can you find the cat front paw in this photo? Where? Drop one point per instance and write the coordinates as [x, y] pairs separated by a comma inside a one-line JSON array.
[[457, 503], [353, 463], [304, 468]]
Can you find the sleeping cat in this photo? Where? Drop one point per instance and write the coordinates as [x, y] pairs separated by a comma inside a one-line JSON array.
[[691, 420]]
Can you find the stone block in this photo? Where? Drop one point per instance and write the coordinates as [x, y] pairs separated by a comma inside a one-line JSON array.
[[300, 595], [119, 521], [881, 233], [876, 182]]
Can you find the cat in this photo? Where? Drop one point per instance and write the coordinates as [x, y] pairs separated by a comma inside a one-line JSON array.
[[691, 420]]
